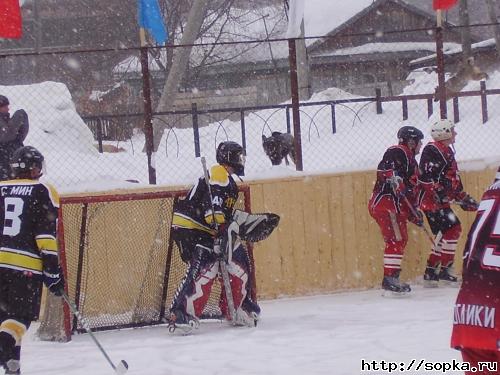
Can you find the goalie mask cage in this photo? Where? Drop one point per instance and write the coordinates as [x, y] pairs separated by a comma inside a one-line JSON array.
[[122, 267]]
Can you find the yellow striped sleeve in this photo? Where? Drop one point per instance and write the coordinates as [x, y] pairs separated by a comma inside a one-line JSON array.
[[47, 244]]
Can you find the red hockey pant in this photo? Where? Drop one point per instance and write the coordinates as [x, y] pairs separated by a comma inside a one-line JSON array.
[[395, 236]]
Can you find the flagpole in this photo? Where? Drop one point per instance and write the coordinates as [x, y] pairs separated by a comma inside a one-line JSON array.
[[146, 95], [440, 65]]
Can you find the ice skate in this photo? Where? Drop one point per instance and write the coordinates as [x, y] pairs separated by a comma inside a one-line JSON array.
[[392, 286], [181, 322], [252, 309], [446, 278], [245, 319], [431, 278], [12, 367]]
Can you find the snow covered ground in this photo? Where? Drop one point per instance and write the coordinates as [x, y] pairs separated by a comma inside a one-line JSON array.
[[328, 334]]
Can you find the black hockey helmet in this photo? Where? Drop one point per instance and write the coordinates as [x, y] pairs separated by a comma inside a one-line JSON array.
[[231, 154], [409, 133], [24, 160], [4, 101]]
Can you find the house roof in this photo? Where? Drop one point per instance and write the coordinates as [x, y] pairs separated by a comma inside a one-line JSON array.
[[364, 7]]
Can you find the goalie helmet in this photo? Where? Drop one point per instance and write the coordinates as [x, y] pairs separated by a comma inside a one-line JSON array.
[[409, 133], [442, 130], [231, 154], [497, 176], [24, 160]]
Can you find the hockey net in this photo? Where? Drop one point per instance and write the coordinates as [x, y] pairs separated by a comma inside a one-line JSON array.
[[122, 266]]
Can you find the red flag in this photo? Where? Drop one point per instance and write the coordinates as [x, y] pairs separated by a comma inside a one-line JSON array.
[[443, 4], [10, 19]]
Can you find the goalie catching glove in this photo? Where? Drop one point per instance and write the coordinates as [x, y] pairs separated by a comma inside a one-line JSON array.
[[254, 227]]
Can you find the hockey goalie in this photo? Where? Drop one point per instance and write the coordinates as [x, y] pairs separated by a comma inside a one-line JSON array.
[[209, 234]]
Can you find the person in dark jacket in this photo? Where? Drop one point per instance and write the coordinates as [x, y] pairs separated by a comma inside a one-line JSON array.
[[13, 132]]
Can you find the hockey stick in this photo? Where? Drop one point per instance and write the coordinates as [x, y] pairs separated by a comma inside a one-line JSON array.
[[122, 367], [414, 213], [222, 261]]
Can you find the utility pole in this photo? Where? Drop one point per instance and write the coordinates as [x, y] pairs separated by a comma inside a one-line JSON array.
[[494, 20], [463, 11]]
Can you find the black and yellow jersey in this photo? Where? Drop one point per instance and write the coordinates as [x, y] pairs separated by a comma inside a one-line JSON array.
[[28, 218], [195, 211]]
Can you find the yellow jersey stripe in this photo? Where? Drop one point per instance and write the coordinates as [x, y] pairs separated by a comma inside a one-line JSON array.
[[186, 222], [219, 218], [21, 261], [47, 244]]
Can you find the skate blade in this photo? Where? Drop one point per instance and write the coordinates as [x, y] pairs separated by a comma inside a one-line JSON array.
[[430, 284], [451, 284], [183, 329], [391, 294]]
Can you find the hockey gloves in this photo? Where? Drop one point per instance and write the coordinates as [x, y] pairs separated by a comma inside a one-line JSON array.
[[467, 203], [417, 218], [397, 185], [54, 282]]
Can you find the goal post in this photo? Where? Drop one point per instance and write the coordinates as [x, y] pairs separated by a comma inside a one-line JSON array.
[[122, 267]]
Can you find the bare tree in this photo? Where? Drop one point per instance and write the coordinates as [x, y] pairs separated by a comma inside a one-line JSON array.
[[208, 22]]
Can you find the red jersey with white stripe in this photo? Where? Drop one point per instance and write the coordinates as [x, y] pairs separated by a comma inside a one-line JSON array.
[[476, 322]]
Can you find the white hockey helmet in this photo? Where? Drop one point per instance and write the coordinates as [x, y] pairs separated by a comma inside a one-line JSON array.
[[442, 129]]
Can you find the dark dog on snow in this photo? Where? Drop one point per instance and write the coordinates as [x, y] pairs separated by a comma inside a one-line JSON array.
[[279, 146]]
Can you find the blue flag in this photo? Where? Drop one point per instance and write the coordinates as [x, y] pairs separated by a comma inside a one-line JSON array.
[[149, 17]]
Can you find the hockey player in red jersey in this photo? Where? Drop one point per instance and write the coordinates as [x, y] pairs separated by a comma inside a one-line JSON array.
[[476, 323], [28, 251], [393, 194], [206, 218], [440, 185]]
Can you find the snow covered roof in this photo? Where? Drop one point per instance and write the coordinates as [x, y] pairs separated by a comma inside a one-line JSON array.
[[485, 44]]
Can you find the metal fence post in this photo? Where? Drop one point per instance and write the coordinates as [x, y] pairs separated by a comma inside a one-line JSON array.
[[148, 115], [456, 111], [294, 85], [430, 108], [98, 131], [334, 120], [404, 104], [378, 101], [243, 130], [196, 130], [484, 101]]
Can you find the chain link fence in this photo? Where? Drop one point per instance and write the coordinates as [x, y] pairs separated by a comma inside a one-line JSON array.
[[87, 115]]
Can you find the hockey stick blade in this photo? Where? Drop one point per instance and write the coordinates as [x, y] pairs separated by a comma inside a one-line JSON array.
[[121, 368]]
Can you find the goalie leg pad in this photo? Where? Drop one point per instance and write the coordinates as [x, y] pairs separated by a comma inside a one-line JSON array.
[[194, 290]]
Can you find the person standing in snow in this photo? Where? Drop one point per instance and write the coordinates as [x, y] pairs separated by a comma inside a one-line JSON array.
[[28, 251], [440, 184], [393, 202], [13, 132], [201, 221], [479, 295]]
